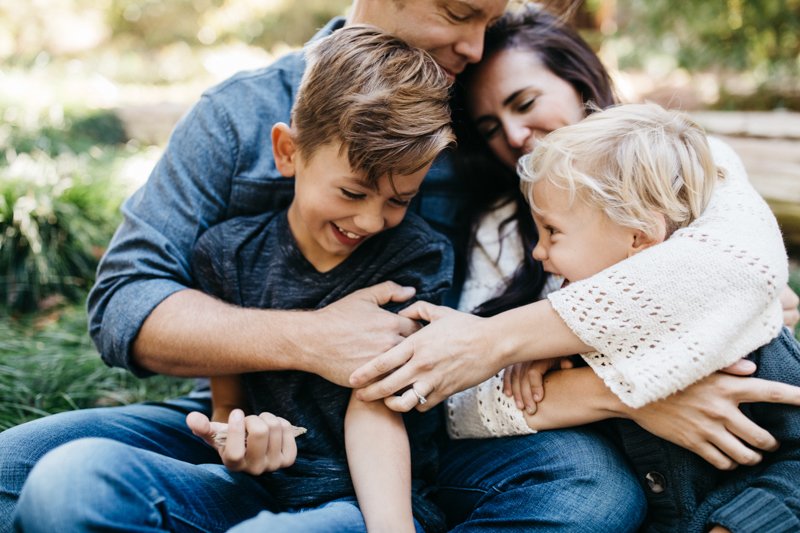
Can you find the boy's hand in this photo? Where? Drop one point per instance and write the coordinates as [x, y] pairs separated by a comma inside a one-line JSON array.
[[525, 381], [254, 444]]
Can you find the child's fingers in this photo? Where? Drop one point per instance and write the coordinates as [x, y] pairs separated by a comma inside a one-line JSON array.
[[566, 363], [527, 393], [507, 376], [233, 452], [288, 445], [535, 378], [516, 387]]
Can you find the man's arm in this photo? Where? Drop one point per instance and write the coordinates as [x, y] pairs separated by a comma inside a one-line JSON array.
[[193, 334]]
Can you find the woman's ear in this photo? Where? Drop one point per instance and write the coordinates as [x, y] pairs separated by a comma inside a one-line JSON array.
[[284, 149], [642, 240]]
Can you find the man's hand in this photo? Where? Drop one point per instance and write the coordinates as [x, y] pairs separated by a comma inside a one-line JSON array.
[[705, 418], [789, 303], [353, 330], [444, 357], [254, 444]]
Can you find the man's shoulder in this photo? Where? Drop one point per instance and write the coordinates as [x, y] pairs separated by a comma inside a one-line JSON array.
[[271, 86]]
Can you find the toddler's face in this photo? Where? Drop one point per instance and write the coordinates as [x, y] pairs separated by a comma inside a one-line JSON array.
[[576, 240]]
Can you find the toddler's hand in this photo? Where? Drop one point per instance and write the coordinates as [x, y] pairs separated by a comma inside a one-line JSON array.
[[524, 381]]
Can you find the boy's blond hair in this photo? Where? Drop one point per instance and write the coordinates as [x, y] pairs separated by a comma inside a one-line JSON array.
[[634, 162], [385, 101]]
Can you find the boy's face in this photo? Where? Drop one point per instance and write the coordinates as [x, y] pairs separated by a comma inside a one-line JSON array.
[[334, 210], [576, 240], [450, 30]]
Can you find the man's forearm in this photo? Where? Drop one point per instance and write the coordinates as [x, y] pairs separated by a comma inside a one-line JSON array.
[[193, 334]]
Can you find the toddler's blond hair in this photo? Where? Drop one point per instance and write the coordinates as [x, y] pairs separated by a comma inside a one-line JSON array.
[[634, 162]]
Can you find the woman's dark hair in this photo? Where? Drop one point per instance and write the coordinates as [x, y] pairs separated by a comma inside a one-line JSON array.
[[489, 182]]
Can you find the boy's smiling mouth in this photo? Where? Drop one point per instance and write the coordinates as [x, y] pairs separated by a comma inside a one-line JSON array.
[[347, 237]]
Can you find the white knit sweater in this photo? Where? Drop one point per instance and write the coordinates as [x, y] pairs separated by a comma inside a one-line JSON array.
[[667, 316]]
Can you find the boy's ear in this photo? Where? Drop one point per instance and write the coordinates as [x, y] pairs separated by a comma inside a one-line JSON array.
[[284, 149], [642, 240]]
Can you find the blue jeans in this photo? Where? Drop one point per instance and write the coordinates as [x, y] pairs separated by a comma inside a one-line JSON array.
[[138, 468], [554, 481]]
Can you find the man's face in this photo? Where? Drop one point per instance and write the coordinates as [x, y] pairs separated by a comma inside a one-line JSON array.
[[450, 30]]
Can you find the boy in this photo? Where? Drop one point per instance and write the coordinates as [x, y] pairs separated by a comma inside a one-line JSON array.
[[370, 117], [606, 189]]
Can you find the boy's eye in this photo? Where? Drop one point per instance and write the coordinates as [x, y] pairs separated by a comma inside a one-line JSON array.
[[352, 195], [399, 202]]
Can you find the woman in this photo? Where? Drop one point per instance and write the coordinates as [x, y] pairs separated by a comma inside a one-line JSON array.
[[514, 96]]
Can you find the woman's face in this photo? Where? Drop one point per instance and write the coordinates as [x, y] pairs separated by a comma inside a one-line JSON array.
[[514, 100]]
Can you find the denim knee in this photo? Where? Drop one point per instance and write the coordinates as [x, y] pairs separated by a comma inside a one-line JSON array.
[[76, 487]]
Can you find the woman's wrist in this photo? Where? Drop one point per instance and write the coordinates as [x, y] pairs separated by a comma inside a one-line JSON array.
[[532, 332]]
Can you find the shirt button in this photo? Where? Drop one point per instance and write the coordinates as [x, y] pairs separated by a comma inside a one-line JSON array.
[[656, 482]]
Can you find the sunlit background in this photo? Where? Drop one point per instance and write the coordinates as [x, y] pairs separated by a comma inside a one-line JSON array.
[[90, 89]]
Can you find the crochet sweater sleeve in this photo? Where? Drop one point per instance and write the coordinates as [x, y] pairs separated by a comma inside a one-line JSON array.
[[696, 303]]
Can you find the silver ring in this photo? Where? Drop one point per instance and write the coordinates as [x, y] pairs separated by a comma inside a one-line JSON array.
[[420, 398]]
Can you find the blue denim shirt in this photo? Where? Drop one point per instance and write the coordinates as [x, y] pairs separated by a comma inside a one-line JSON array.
[[218, 164]]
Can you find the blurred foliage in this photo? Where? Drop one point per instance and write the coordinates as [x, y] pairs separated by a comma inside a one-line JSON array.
[[48, 365], [760, 38], [54, 220]]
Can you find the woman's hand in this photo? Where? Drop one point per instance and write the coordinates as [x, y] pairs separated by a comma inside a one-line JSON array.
[[789, 303], [705, 418], [444, 357], [254, 444]]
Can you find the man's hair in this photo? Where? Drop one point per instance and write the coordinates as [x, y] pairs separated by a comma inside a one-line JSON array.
[[633, 162], [385, 101]]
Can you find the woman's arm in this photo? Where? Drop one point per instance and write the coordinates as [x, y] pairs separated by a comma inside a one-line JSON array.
[[711, 298], [379, 458]]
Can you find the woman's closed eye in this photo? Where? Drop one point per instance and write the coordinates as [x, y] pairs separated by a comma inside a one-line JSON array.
[[488, 129], [525, 105]]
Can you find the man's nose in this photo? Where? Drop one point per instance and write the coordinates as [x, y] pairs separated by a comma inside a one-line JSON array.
[[470, 46]]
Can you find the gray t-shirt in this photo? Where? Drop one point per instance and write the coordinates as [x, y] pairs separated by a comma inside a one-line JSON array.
[[255, 262]]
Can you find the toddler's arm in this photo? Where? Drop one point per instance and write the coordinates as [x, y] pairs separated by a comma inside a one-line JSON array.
[[379, 458]]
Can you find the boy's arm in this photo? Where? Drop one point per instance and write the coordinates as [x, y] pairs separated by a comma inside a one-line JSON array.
[[227, 394], [379, 458]]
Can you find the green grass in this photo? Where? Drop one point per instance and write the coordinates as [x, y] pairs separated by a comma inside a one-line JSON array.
[[48, 364]]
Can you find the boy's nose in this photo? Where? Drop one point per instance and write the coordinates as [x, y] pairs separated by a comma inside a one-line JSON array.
[[369, 222]]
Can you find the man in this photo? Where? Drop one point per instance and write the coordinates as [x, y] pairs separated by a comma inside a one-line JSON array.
[[135, 466]]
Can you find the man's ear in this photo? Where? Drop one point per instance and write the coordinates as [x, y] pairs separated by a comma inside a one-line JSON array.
[[284, 149], [642, 240]]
